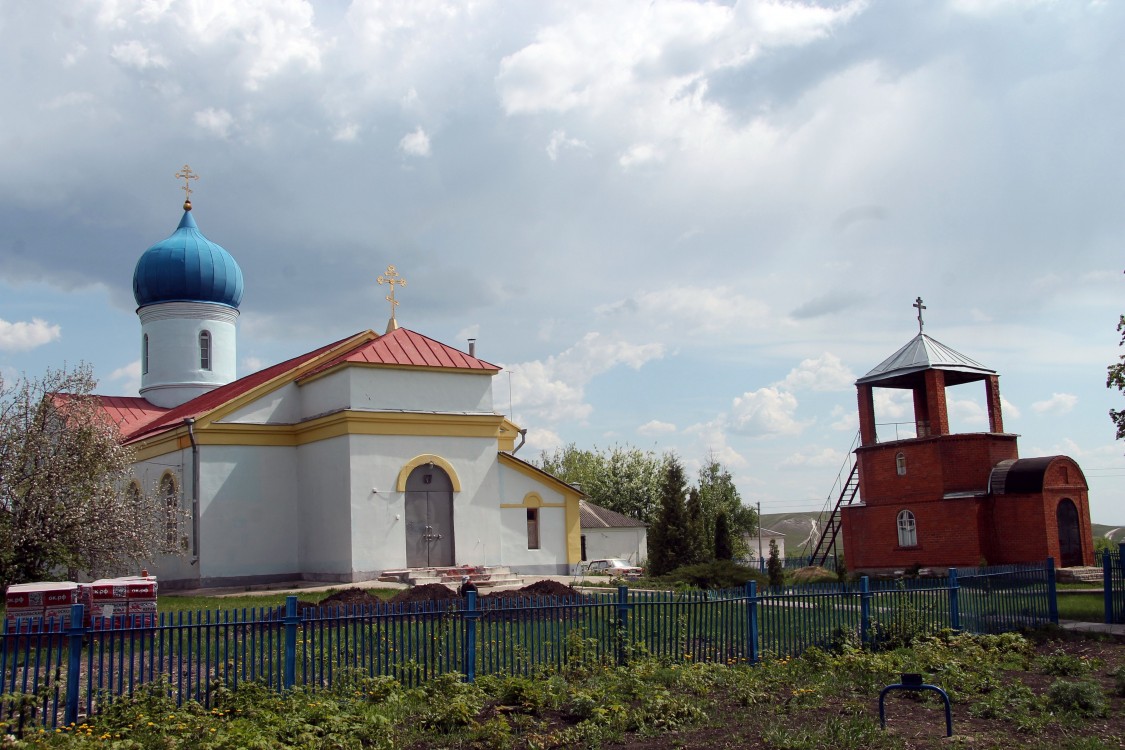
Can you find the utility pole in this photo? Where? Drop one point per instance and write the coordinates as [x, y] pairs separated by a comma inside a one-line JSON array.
[[759, 532]]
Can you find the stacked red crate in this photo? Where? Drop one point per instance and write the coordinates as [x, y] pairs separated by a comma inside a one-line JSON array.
[[122, 601], [30, 606]]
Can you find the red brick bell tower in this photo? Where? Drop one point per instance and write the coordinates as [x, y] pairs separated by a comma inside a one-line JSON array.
[[931, 498]]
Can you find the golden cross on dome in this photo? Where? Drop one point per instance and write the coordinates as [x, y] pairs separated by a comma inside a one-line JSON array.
[[918, 304], [187, 176], [391, 277]]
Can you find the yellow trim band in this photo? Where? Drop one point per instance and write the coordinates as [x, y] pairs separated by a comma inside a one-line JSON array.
[[426, 458]]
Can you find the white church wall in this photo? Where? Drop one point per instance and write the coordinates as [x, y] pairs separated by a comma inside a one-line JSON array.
[[281, 406], [249, 525], [379, 528], [324, 394], [381, 388], [148, 473], [551, 557], [324, 516]]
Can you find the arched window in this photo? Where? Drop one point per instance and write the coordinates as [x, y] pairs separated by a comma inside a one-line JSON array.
[[907, 529], [144, 355], [205, 350], [900, 464], [170, 497], [133, 495]]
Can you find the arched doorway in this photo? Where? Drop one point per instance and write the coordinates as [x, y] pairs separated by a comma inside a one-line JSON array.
[[429, 518], [1070, 539]]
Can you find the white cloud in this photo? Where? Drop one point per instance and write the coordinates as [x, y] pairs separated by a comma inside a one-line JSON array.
[[346, 133], [250, 365], [844, 419], [967, 412], [712, 310], [416, 143], [815, 457], [133, 54], [656, 427], [560, 141], [216, 121], [553, 389], [1008, 409], [1058, 403], [128, 377], [765, 412], [825, 373], [638, 154], [22, 336]]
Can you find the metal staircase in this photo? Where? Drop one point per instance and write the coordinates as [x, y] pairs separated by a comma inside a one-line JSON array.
[[849, 489]]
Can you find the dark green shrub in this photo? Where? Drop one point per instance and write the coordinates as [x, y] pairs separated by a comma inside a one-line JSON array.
[[1084, 698], [720, 574]]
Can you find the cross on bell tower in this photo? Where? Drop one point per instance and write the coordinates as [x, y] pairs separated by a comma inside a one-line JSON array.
[[918, 304]]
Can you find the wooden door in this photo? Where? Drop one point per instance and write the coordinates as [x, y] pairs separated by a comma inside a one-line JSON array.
[[1070, 540]]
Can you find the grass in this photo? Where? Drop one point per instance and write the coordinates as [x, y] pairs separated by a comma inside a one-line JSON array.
[[178, 603], [1007, 693], [1081, 607]]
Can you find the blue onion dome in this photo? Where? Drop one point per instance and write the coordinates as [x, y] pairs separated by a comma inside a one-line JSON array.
[[187, 267]]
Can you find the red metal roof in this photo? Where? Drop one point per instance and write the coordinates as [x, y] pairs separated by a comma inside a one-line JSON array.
[[129, 412], [405, 348], [138, 418]]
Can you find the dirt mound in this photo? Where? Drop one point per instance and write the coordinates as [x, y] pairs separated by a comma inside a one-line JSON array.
[[427, 592], [348, 597], [548, 588]]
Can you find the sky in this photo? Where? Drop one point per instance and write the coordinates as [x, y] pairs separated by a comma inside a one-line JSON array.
[[681, 226]]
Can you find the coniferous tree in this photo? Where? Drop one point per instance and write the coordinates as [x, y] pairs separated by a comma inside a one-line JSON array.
[[668, 543], [700, 541], [773, 565], [724, 550]]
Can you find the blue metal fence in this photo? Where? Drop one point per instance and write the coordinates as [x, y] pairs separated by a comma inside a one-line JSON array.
[[76, 670], [1113, 582]]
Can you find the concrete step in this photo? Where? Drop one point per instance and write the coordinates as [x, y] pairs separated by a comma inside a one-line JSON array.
[[1084, 574]]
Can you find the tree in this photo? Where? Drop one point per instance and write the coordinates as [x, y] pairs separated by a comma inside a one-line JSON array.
[[773, 565], [668, 543], [64, 501], [621, 478], [724, 550], [719, 495], [1115, 378], [700, 544]]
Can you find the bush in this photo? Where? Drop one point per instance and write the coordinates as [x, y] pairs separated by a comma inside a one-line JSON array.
[[720, 574], [1083, 698], [812, 574]]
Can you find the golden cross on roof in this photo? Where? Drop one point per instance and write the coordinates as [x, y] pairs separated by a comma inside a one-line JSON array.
[[187, 176], [918, 304], [391, 277]]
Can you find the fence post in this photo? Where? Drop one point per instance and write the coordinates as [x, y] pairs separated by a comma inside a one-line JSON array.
[[74, 662], [1052, 593], [1107, 586], [954, 601], [864, 608], [469, 654], [1117, 592], [291, 621], [622, 621], [752, 616]]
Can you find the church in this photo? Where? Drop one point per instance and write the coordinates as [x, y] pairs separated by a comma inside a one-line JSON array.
[[928, 497], [371, 453]]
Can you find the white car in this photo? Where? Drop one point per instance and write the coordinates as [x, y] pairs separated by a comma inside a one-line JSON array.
[[612, 566]]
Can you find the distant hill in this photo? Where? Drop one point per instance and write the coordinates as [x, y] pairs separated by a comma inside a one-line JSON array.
[[796, 526]]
